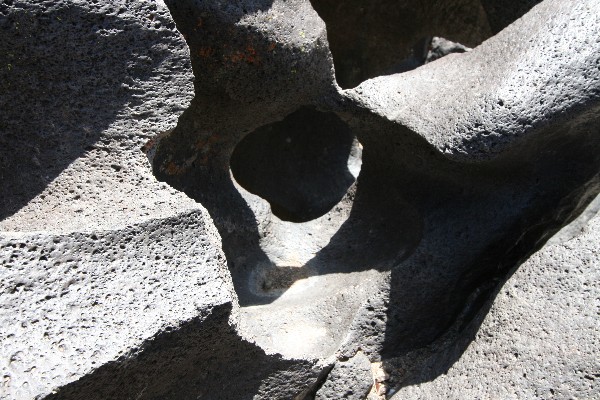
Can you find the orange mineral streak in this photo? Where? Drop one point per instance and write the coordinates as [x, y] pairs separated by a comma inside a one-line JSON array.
[[236, 57], [149, 144], [208, 149], [206, 142], [206, 52], [249, 55], [174, 169]]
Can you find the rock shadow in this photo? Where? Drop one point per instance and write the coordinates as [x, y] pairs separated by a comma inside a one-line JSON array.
[[203, 358], [380, 37], [383, 37], [65, 74], [440, 295]]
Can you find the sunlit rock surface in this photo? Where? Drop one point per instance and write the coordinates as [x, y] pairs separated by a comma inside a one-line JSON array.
[[342, 201]]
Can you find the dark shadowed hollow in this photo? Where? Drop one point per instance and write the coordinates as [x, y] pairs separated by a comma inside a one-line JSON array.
[[299, 165], [382, 37]]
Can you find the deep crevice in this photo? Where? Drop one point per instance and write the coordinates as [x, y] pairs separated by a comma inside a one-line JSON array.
[[381, 37]]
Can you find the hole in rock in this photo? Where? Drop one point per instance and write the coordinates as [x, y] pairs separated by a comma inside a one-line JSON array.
[[302, 165], [382, 37]]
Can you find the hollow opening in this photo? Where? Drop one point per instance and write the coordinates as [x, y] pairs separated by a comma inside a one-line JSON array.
[[302, 165], [381, 37]]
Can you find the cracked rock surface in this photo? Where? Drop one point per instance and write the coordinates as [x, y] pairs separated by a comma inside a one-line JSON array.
[[392, 200]]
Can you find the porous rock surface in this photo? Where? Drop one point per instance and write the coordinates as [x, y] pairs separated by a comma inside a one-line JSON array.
[[349, 379], [333, 197], [529, 345]]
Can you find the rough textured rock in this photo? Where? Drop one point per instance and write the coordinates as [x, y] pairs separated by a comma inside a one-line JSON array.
[[518, 84], [381, 37], [75, 302], [530, 344], [375, 223], [109, 277], [349, 379], [83, 86], [441, 47]]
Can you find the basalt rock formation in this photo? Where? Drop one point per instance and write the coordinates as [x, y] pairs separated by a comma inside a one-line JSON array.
[[361, 200]]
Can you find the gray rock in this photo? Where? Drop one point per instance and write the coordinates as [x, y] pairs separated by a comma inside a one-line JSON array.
[[82, 88], [382, 37], [515, 85], [73, 303], [262, 263], [531, 343], [109, 277], [349, 379], [441, 47]]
